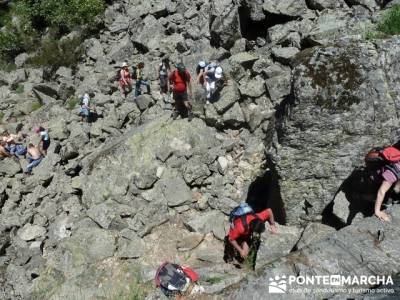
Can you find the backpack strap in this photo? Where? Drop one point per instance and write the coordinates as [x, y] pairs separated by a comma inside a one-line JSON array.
[[244, 222], [394, 169]]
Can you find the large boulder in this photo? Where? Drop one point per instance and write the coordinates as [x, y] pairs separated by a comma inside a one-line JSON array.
[[291, 8], [344, 92], [225, 25], [358, 250]]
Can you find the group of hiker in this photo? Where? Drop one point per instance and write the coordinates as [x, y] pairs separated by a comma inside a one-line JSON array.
[[246, 226], [125, 79], [177, 81], [12, 146]]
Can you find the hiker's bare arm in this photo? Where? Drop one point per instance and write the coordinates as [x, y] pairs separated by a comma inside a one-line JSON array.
[[190, 89], [385, 186], [271, 221], [236, 245]]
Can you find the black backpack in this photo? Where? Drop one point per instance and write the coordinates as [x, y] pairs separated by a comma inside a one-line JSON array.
[[134, 73], [169, 274]]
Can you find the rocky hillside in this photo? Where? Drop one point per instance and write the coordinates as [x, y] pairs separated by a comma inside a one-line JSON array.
[[307, 96]]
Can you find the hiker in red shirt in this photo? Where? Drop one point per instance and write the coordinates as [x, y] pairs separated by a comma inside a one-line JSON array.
[[240, 236], [180, 80]]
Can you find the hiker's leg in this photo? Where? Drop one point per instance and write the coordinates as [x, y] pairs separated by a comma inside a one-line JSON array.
[[122, 90], [137, 88], [30, 166], [229, 251], [147, 84], [208, 89]]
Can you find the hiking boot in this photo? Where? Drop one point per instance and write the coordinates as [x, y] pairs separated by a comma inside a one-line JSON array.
[[190, 116], [174, 115]]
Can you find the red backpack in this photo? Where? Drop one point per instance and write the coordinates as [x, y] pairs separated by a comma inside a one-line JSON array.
[[382, 155]]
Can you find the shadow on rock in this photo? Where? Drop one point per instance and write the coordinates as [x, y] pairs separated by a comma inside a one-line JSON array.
[[355, 198]]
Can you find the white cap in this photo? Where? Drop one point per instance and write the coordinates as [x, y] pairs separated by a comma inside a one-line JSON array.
[[202, 64], [124, 64], [86, 96], [218, 72]]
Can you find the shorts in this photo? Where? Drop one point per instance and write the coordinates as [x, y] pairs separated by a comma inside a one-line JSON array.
[[46, 144], [164, 83], [84, 112], [180, 97]]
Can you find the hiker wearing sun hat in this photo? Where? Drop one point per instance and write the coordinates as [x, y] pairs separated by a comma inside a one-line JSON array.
[[212, 74], [200, 71], [125, 80]]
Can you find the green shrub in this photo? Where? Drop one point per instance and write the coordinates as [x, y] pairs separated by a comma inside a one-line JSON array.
[[10, 44], [19, 89], [390, 21], [24, 22], [65, 14], [1, 116], [7, 66], [72, 103], [55, 54], [36, 105]]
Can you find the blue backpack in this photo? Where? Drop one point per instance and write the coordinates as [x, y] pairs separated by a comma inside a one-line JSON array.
[[240, 212]]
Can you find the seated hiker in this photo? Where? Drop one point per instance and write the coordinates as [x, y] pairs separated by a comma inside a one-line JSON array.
[[245, 225], [16, 149], [125, 80], [140, 80], [212, 74], [44, 142], [85, 109], [163, 71], [10, 138], [201, 66], [180, 81], [177, 281], [34, 158], [3, 151]]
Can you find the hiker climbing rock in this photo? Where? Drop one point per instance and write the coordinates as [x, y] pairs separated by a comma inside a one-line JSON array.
[[140, 80], [212, 74], [125, 80], [200, 72], [245, 228], [180, 80], [387, 163], [86, 108], [44, 142], [34, 158], [163, 71], [177, 281]]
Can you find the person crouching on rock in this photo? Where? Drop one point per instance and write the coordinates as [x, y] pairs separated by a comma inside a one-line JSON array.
[[245, 232], [34, 158], [125, 80], [390, 174], [180, 81]]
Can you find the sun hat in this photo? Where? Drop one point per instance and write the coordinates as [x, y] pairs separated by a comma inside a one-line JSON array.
[[218, 72]]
